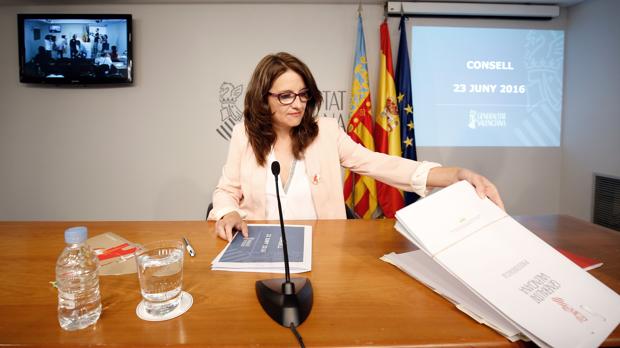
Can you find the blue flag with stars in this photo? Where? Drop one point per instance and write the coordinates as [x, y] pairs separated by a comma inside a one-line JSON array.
[[405, 103]]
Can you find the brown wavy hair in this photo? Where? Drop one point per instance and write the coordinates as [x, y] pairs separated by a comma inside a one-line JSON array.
[[258, 115]]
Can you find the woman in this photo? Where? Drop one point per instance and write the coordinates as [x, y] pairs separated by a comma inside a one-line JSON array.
[[279, 124]]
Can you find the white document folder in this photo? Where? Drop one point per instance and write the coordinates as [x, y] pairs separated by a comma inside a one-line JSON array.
[[422, 267], [550, 299]]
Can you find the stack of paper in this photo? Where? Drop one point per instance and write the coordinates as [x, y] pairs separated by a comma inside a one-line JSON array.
[[501, 273], [262, 250], [422, 267]]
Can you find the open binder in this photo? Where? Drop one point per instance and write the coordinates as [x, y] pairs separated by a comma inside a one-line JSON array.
[[523, 285]]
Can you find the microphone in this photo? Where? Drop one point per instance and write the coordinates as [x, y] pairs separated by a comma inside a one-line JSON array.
[[287, 301], [275, 170]]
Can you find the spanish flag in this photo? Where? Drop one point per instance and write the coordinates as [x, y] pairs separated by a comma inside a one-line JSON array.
[[387, 124], [360, 192]]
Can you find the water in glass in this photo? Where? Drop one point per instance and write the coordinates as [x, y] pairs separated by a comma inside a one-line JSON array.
[[160, 270]]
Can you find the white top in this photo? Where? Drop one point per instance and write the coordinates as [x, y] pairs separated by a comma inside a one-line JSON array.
[[296, 198]]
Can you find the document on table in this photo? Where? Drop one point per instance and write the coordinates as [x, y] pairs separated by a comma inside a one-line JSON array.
[[420, 266], [537, 290], [262, 251], [115, 253]]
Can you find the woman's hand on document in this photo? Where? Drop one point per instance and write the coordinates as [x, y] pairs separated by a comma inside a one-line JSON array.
[[484, 187], [446, 176], [230, 222]]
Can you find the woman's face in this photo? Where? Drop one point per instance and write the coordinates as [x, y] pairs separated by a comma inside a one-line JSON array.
[[285, 117]]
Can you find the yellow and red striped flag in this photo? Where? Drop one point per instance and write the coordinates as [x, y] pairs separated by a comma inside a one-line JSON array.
[[360, 192], [387, 124]]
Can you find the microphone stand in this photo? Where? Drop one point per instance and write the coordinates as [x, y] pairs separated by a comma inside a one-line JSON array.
[[287, 301]]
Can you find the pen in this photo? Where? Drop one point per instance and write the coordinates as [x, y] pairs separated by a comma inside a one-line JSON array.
[[189, 248]]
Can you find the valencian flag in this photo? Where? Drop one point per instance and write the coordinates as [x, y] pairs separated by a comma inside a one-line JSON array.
[[387, 124], [359, 191], [405, 103]]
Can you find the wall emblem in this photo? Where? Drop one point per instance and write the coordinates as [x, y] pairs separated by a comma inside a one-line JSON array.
[[229, 111]]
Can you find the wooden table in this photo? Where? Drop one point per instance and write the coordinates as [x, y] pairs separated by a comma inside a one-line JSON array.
[[359, 300]]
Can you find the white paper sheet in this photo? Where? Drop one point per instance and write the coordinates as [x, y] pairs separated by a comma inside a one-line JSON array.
[[422, 267]]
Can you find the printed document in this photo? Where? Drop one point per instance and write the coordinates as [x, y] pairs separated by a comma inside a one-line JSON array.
[[422, 267], [262, 251], [548, 298], [115, 253]]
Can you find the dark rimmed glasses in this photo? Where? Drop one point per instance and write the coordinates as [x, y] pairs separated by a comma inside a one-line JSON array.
[[287, 98]]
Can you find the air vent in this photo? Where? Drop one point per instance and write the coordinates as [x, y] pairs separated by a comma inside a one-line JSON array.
[[606, 201]]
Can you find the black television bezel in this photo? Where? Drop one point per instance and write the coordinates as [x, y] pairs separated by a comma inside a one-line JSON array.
[[22, 17]]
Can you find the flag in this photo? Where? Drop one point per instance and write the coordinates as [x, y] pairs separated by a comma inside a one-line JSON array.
[[360, 191], [387, 124], [405, 103]]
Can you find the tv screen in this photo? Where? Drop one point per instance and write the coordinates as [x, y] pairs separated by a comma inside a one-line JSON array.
[[75, 49]]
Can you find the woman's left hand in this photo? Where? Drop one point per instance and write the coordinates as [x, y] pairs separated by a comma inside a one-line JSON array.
[[484, 187]]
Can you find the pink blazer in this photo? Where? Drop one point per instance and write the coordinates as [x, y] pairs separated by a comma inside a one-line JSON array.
[[242, 184]]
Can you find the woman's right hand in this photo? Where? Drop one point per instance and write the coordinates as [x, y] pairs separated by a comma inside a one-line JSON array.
[[229, 222]]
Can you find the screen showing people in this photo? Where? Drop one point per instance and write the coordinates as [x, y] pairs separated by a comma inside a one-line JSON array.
[[79, 49]]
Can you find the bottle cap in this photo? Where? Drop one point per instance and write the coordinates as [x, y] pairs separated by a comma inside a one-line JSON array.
[[76, 235]]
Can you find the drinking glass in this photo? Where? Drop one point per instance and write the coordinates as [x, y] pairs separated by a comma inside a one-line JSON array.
[[160, 270]]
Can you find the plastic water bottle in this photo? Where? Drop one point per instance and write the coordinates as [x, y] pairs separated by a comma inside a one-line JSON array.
[[77, 279]]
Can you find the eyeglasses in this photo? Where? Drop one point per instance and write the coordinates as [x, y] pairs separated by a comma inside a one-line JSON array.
[[288, 98]]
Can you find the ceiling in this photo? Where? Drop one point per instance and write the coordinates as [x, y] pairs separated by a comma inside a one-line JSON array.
[[561, 3]]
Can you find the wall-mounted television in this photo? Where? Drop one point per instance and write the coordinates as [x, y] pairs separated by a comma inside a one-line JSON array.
[[75, 48]]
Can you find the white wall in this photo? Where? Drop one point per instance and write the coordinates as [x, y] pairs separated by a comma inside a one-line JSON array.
[[591, 127], [151, 151]]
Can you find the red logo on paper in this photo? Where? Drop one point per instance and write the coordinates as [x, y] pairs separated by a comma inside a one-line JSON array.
[[119, 250], [568, 308]]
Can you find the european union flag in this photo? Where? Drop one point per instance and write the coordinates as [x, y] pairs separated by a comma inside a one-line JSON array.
[[405, 103]]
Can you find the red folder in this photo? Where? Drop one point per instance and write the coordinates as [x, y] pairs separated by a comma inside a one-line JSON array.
[[584, 262]]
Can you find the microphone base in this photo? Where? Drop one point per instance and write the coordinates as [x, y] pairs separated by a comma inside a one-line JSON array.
[[285, 309]]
